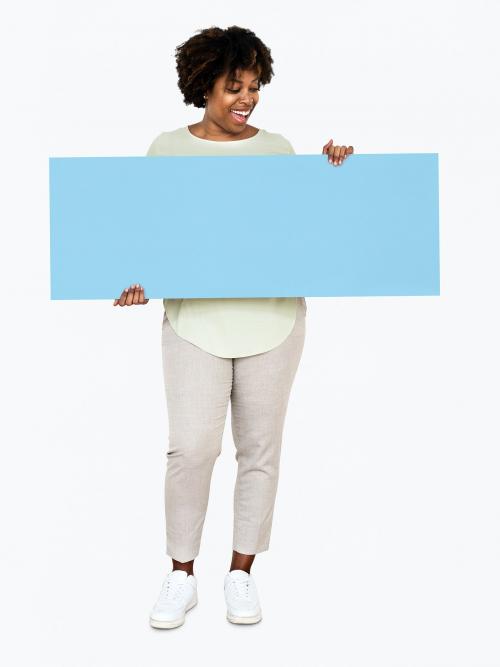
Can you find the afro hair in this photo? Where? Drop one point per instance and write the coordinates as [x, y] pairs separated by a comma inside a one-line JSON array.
[[213, 52]]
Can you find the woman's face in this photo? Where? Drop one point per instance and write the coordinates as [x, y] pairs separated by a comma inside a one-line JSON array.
[[230, 95]]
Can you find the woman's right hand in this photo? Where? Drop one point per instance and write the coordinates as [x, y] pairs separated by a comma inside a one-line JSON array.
[[131, 296]]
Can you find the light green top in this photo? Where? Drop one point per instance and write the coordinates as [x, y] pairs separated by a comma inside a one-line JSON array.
[[228, 327]]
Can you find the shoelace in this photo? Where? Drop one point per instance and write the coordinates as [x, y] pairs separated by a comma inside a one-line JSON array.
[[171, 590], [242, 587]]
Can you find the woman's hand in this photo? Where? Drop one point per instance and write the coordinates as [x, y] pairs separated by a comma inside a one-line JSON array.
[[130, 296], [336, 154]]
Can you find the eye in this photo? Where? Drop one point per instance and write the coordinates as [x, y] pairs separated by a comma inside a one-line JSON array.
[[255, 90]]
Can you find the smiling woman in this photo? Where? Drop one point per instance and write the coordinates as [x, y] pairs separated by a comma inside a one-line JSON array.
[[229, 104], [243, 350], [223, 72]]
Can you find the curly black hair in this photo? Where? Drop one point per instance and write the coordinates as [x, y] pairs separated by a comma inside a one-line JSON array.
[[214, 51]]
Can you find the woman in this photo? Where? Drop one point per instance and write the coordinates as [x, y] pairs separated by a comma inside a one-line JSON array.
[[218, 350]]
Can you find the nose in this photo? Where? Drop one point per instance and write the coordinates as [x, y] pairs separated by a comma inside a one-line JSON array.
[[247, 100]]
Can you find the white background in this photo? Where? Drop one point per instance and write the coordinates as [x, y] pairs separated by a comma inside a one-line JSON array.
[[386, 540]]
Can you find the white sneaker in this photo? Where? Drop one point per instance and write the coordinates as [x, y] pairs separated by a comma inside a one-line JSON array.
[[242, 600], [178, 595]]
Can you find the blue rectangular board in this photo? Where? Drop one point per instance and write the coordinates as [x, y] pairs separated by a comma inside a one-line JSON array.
[[244, 226]]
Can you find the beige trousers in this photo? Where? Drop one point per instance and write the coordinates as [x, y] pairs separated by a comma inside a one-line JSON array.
[[198, 387]]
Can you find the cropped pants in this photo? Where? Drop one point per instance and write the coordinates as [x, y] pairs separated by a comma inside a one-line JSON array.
[[198, 387]]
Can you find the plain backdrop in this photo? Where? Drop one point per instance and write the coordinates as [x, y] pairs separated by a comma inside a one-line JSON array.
[[386, 541]]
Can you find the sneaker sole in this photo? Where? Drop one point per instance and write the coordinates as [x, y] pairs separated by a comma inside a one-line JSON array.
[[243, 620], [167, 625]]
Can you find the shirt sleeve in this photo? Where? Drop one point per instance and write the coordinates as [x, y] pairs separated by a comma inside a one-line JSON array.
[[153, 149], [288, 146]]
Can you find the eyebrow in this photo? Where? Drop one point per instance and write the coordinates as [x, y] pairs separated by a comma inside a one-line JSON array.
[[240, 81]]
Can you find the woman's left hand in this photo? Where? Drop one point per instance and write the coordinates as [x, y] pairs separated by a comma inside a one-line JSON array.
[[337, 154]]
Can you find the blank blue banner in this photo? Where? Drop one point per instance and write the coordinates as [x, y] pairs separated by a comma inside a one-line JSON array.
[[244, 226]]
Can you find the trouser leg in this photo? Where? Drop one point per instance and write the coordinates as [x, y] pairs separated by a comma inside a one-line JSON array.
[[261, 387], [198, 386]]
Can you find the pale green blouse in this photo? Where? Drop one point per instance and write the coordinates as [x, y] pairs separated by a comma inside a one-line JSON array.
[[228, 327]]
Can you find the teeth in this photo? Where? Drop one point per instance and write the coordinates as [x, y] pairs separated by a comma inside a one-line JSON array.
[[241, 113]]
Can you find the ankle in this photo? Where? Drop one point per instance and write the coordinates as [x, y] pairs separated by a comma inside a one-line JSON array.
[[241, 561], [186, 567]]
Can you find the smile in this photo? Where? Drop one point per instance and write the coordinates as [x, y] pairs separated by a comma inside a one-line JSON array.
[[239, 116]]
